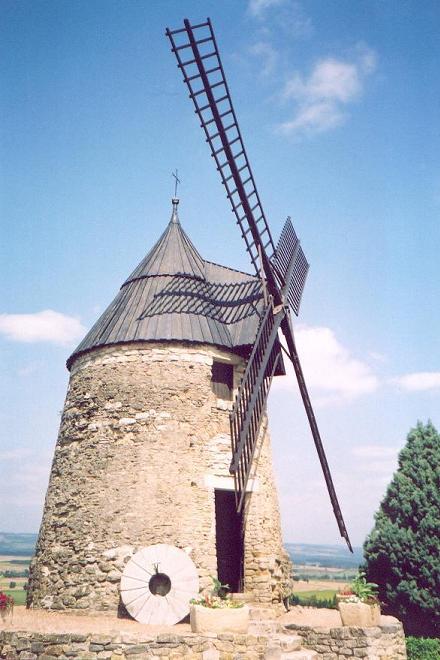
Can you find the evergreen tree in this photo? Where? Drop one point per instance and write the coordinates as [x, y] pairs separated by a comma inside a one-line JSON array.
[[403, 551]]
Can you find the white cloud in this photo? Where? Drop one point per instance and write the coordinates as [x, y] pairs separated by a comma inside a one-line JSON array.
[[314, 118], [377, 357], [367, 58], [27, 486], [283, 15], [374, 451], [267, 54], [321, 97], [14, 454], [331, 79], [45, 326], [330, 370], [378, 461], [258, 7], [419, 382], [31, 368]]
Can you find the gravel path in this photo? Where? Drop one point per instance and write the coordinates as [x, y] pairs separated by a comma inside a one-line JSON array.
[[41, 621], [312, 616], [62, 622]]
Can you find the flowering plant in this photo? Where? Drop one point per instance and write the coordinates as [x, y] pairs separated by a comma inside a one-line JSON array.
[[360, 591], [217, 598], [6, 602]]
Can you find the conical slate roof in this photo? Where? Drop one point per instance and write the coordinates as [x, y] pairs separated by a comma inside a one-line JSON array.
[[173, 254], [175, 295]]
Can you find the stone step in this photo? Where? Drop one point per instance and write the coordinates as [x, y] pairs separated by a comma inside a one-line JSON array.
[[275, 653], [261, 613], [266, 627], [302, 654], [287, 642], [243, 597]]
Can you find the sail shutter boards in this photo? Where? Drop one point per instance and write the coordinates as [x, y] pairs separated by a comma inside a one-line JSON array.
[[222, 380], [198, 58], [290, 266], [158, 583]]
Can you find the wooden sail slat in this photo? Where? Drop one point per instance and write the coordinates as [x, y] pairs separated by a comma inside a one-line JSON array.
[[250, 402]]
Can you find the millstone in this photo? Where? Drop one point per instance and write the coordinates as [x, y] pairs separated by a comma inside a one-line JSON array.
[[157, 584]]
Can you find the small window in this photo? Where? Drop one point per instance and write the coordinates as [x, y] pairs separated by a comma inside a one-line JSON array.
[[222, 380]]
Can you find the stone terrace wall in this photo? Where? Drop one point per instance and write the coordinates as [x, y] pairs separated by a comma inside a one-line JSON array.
[[34, 646], [385, 642], [142, 445]]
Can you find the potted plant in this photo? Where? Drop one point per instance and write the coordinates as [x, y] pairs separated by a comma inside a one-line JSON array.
[[358, 604], [6, 606], [215, 611]]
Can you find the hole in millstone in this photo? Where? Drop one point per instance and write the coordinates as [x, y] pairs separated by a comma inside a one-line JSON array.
[[159, 584]]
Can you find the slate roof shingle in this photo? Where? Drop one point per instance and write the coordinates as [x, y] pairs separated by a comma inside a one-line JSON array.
[[175, 295]]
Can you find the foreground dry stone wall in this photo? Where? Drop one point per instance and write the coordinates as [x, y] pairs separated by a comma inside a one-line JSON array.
[[384, 642], [143, 444], [33, 646]]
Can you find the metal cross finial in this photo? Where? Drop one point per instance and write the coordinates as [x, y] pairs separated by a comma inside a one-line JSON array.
[[176, 183]]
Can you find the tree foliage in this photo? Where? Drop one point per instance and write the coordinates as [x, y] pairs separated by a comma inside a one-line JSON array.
[[419, 648], [403, 551]]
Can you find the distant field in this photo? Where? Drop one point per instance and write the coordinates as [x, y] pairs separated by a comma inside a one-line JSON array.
[[319, 595], [317, 585], [17, 564], [315, 598], [309, 572], [324, 556], [7, 565], [19, 596]]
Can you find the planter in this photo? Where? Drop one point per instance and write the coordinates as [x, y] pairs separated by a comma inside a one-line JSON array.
[[219, 620], [359, 615]]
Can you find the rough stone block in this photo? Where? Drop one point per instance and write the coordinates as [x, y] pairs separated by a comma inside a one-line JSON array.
[[211, 654], [139, 648]]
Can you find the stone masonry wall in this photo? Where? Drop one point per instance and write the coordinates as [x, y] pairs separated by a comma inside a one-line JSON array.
[[384, 642], [142, 445], [165, 646], [268, 570]]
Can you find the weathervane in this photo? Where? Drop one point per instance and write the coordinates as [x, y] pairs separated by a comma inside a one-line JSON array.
[[176, 183]]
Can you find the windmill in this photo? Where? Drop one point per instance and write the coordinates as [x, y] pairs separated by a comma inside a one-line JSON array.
[[143, 455], [283, 267]]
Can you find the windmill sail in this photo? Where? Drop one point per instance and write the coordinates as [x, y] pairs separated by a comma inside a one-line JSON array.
[[288, 333], [250, 403], [198, 58], [285, 268], [290, 265]]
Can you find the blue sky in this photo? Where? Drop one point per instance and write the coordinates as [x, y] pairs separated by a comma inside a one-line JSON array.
[[338, 105]]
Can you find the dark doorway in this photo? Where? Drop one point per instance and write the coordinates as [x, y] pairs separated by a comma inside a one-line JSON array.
[[222, 380], [229, 542]]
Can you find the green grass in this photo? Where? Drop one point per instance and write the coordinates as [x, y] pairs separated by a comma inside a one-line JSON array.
[[319, 594], [19, 595], [325, 598], [325, 574]]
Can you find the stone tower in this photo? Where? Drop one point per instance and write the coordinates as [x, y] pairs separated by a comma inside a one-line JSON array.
[[143, 450]]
